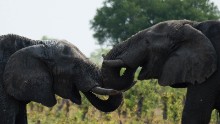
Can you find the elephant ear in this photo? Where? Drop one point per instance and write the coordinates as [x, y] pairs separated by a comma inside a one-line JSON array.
[[26, 76], [192, 62]]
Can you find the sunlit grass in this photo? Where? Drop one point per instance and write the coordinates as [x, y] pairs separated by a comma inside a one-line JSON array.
[[143, 104]]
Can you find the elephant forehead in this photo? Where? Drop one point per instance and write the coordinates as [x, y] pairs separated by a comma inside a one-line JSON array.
[[169, 26], [65, 49]]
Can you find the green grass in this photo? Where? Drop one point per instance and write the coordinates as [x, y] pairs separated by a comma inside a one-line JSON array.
[[143, 103]]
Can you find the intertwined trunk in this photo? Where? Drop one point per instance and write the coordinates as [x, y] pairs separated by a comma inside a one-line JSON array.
[[109, 105]]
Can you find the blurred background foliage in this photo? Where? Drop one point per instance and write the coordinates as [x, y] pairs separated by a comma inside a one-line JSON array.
[[119, 19], [146, 102]]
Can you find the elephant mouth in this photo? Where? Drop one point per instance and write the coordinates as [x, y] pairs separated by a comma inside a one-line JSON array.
[[115, 78]]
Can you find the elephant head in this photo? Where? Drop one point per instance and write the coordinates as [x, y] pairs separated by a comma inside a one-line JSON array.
[[174, 52], [38, 72]]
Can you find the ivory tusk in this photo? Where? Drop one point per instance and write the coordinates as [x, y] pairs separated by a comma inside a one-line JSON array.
[[104, 91]]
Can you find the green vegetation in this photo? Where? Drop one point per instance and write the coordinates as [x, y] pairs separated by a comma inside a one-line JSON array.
[[146, 102], [119, 19]]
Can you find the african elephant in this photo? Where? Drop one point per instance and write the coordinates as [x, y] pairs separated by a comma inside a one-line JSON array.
[[180, 54], [35, 70]]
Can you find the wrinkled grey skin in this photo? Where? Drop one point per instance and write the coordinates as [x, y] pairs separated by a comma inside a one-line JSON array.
[[37, 70], [179, 53]]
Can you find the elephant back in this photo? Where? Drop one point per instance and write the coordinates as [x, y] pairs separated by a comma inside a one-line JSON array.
[[11, 43]]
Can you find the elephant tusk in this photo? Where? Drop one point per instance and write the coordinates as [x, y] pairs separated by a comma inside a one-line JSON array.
[[114, 63], [103, 91]]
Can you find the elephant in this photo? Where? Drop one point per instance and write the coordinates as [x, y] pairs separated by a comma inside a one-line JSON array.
[[179, 54], [36, 70]]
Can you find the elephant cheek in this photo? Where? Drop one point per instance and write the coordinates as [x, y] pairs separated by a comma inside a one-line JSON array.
[[152, 67], [146, 73]]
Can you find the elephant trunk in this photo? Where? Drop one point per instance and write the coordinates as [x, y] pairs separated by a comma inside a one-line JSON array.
[[113, 79], [111, 67], [109, 105]]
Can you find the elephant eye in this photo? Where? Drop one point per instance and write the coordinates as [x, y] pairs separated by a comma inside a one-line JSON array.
[[147, 41]]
